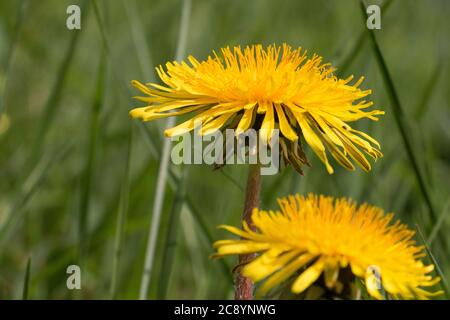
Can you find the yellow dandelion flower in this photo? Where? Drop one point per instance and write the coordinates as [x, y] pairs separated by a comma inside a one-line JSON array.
[[317, 238], [266, 89]]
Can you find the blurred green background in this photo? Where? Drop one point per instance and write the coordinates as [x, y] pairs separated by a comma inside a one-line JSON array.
[[68, 195]]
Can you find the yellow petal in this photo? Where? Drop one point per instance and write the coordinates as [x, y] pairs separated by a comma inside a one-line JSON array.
[[198, 119], [355, 153], [266, 264], [358, 270], [425, 295], [313, 140], [235, 230], [285, 127], [366, 136], [285, 272], [337, 154], [214, 125], [268, 124], [326, 129], [140, 86], [172, 95], [138, 113], [151, 113], [294, 108], [245, 121], [184, 127], [262, 107], [240, 247], [308, 277]]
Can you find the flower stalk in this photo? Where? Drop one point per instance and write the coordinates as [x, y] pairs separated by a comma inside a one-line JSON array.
[[243, 285]]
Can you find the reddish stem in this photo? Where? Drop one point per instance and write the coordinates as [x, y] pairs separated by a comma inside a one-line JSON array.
[[244, 286]]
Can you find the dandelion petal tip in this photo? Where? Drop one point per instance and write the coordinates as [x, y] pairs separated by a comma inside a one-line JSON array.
[[136, 113]]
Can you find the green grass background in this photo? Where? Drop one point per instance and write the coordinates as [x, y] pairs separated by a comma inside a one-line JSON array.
[[77, 176]]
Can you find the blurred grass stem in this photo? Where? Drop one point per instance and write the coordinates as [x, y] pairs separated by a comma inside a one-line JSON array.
[[23, 7], [163, 168]]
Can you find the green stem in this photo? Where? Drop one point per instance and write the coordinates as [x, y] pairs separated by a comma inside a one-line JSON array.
[[163, 169], [244, 286], [26, 282]]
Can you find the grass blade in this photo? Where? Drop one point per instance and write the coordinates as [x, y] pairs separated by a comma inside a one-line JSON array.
[[149, 138], [90, 158], [155, 221], [226, 269], [23, 6], [55, 94], [171, 237], [400, 120], [164, 167], [26, 282], [359, 44], [121, 219], [154, 148], [29, 187], [139, 39], [444, 283], [429, 89], [101, 27], [437, 226], [173, 181], [230, 178]]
